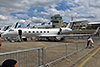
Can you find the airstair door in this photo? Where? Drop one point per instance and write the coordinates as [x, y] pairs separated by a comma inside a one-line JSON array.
[[20, 35]]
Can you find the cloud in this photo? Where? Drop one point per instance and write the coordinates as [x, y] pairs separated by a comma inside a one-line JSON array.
[[37, 20], [67, 14], [43, 2], [3, 18], [22, 15], [84, 3], [22, 5], [2, 24], [51, 12], [43, 10], [80, 8], [12, 6], [76, 15], [85, 16], [35, 12], [45, 15], [95, 3], [10, 21], [22, 21]]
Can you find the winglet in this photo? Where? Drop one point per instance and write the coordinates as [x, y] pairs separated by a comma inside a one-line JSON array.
[[96, 31]]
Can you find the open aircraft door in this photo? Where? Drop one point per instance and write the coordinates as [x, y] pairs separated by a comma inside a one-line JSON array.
[[20, 35], [19, 32]]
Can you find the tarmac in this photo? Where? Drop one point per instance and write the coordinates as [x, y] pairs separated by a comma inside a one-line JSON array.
[[85, 58], [91, 59]]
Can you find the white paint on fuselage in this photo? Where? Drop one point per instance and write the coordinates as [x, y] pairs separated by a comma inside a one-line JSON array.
[[34, 32]]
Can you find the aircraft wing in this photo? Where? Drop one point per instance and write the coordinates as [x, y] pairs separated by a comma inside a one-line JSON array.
[[79, 21], [75, 35]]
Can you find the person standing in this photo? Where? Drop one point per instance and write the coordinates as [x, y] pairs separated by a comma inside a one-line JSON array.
[[88, 41], [91, 42]]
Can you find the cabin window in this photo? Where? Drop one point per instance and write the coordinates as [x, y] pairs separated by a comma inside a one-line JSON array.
[[44, 31], [29, 31], [33, 31], [37, 31], [40, 31], [47, 31]]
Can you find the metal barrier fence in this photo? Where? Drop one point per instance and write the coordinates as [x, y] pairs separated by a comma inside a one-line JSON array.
[[96, 39], [25, 58], [39, 57], [58, 52]]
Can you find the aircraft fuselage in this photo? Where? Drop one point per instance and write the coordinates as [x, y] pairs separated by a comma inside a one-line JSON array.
[[36, 32]]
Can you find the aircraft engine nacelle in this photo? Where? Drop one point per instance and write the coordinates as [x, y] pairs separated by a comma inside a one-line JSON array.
[[64, 30]]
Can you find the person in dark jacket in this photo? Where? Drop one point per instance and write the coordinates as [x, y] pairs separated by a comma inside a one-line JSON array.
[[9, 63]]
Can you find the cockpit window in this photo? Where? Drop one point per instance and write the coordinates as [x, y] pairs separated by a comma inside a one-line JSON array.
[[11, 30]]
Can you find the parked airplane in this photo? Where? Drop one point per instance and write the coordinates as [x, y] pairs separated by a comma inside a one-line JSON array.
[[50, 34]]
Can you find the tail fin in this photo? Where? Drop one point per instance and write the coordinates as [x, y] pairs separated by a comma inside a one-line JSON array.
[[70, 25], [15, 25], [19, 26], [28, 25]]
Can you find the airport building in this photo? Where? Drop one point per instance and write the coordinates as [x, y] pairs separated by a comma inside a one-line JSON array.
[[56, 21], [80, 26], [94, 25]]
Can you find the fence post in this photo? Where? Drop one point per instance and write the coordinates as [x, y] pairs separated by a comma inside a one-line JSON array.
[[19, 60], [38, 57], [43, 57], [83, 44], [66, 50], [76, 46]]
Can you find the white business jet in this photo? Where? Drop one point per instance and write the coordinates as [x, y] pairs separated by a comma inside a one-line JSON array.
[[50, 34]]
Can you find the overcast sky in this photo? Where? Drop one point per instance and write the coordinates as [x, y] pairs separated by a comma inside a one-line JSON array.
[[39, 11]]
